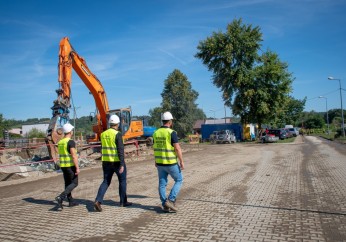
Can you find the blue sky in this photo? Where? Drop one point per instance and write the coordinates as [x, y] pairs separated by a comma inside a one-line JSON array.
[[132, 46]]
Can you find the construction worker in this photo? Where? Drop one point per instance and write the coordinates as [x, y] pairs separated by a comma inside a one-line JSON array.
[[166, 151], [68, 164], [112, 161]]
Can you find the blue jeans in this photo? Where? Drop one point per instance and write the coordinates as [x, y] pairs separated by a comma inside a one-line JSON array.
[[109, 168], [175, 172]]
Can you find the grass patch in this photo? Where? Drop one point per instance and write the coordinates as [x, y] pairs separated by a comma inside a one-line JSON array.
[[289, 140]]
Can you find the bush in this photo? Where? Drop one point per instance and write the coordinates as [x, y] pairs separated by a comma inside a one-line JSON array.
[[339, 133], [35, 133]]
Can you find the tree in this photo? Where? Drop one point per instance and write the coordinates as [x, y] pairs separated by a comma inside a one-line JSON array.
[[155, 117], [266, 96], [334, 114], [231, 56], [179, 98], [315, 122], [3, 125], [292, 112], [35, 133], [198, 114], [254, 86]]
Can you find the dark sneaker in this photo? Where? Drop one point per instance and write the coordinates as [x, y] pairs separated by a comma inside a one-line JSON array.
[[125, 204], [97, 206], [73, 204], [165, 209], [59, 201], [170, 205]]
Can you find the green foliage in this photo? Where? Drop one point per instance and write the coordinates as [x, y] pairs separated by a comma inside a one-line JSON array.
[[155, 117], [254, 86], [35, 133], [291, 112], [315, 122], [4, 125], [334, 116], [231, 56], [83, 126], [179, 98]]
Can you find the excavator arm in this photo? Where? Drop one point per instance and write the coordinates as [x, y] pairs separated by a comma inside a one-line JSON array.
[[68, 60]]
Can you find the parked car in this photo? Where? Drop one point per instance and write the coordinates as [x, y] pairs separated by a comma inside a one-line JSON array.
[[269, 137], [294, 131], [226, 136], [281, 133], [289, 134], [213, 137]]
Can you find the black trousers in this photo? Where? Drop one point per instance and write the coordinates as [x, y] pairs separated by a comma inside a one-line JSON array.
[[71, 181], [109, 168]]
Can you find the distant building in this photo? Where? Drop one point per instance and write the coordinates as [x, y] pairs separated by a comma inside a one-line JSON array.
[[15, 131], [40, 127], [218, 121], [198, 124]]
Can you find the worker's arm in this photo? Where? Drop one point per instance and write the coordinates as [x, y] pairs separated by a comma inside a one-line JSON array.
[[73, 152], [177, 148], [120, 149], [179, 154]]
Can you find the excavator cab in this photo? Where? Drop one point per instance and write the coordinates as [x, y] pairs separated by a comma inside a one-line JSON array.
[[124, 115], [130, 129]]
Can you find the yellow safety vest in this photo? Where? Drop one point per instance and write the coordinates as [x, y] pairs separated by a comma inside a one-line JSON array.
[[65, 157], [109, 147], [164, 152]]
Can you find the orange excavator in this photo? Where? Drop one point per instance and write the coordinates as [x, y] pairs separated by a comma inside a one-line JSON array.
[[68, 60]]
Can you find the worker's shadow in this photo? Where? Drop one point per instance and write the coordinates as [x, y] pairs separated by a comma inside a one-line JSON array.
[[156, 209], [87, 203]]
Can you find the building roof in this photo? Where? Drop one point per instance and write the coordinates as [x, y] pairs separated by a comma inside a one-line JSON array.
[[15, 131], [218, 121], [198, 123]]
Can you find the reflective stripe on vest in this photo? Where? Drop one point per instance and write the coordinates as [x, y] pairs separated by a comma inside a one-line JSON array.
[[164, 152], [65, 157], [109, 147]]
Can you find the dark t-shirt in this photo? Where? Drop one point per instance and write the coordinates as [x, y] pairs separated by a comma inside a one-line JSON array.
[[70, 144], [120, 148]]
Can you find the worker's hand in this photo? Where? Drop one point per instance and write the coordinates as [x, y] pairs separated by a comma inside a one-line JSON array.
[[182, 166], [121, 169], [77, 171]]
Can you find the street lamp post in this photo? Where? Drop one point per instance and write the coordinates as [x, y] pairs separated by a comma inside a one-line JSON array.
[[211, 110], [74, 121], [326, 110], [342, 111]]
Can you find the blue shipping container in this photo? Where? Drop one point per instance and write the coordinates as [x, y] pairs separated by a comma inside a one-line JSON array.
[[149, 131], [208, 129]]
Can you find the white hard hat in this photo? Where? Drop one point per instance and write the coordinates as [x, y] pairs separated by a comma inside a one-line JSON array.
[[114, 119], [166, 116], [67, 128]]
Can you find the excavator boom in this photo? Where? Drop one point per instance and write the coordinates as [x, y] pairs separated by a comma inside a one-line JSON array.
[[68, 60]]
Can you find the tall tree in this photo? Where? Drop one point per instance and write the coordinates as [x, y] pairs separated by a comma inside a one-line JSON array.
[[231, 56], [179, 98], [3, 125], [253, 85], [155, 117], [292, 112]]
